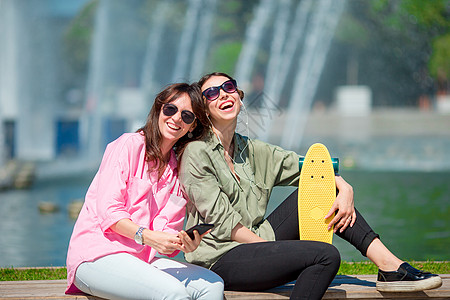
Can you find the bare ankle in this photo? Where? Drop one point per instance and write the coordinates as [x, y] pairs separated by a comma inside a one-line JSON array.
[[382, 257], [389, 265]]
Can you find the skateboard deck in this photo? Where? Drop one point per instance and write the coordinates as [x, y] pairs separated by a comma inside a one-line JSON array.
[[316, 194]]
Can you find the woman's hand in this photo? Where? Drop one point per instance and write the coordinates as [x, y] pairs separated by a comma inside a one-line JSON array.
[[343, 206], [163, 242], [188, 244]]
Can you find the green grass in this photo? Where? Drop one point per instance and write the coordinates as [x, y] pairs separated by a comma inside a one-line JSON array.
[[368, 268], [347, 268], [19, 274]]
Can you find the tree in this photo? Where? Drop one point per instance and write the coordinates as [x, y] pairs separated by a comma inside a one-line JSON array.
[[400, 48]]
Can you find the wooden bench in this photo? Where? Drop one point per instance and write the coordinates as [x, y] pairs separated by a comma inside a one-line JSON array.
[[342, 287]]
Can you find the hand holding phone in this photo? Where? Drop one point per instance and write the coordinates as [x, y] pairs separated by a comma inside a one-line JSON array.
[[201, 228]]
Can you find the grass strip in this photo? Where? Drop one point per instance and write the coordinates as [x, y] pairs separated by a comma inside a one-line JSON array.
[[44, 273], [369, 268], [347, 268]]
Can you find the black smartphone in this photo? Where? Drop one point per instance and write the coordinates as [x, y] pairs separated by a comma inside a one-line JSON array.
[[201, 228]]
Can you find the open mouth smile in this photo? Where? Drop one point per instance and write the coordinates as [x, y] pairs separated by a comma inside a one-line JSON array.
[[173, 126], [227, 105]]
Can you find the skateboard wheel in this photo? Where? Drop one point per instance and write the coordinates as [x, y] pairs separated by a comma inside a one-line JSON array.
[[300, 162], [334, 160]]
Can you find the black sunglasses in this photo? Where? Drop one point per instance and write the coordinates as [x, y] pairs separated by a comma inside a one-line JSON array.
[[170, 109], [212, 93]]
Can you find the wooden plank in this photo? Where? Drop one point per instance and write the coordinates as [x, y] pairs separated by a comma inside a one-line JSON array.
[[342, 287], [350, 287], [363, 287], [37, 289]]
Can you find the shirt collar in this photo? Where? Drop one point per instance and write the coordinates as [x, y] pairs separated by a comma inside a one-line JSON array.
[[172, 164], [213, 141], [240, 142], [170, 169]]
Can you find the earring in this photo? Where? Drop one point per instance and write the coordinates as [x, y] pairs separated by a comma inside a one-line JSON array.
[[190, 135]]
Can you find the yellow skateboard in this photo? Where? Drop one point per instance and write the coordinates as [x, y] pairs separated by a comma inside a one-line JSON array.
[[316, 193]]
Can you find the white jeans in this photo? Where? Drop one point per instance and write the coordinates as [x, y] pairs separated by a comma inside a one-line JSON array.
[[123, 276]]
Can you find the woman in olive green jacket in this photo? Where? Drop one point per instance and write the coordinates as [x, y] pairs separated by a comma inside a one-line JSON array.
[[229, 179]]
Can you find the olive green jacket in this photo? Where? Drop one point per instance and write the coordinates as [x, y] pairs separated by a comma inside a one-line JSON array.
[[218, 197]]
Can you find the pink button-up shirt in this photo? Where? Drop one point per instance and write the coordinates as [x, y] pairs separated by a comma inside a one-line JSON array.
[[123, 188]]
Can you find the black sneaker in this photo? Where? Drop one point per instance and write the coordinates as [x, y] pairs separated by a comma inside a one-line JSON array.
[[407, 279]]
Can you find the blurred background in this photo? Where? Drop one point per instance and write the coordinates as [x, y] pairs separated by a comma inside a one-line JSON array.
[[369, 79]]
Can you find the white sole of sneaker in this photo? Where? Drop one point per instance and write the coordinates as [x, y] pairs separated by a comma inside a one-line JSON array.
[[409, 286]]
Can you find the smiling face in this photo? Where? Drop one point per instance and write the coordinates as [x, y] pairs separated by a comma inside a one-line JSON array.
[[227, 106], [173, 127]]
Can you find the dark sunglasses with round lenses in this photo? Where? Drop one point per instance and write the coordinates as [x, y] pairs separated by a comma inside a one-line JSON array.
[[212, 93], [170, 109]]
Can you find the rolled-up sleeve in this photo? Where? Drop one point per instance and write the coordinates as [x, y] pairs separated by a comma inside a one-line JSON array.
[[204, 192], [111, 185]]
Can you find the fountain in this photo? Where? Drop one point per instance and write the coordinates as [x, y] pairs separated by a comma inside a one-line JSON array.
[[317, 42], [284, 27], [293, 35], [281, 59], [253, 37], [148, 82], [186, 41], [9, 77], [310, 32], [105, 92], [36, 100], [91, 123], [187, 67], [7, 69], [30, 83], [203, 39]]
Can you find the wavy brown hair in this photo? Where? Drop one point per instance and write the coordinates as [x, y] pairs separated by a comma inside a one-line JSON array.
[[208, 76], [151, 130]]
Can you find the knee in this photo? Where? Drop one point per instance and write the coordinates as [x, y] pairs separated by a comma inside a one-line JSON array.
[[331, 257], [214, 290], [176, 292], [210, 288]]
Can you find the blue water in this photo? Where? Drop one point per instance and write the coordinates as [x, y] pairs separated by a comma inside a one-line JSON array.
[[30, 238], [410, 211]]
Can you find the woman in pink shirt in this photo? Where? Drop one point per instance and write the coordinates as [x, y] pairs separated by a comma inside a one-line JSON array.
[[135, 208]]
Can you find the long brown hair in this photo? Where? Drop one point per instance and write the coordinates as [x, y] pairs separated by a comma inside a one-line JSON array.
[[208, 76], [151, 130]]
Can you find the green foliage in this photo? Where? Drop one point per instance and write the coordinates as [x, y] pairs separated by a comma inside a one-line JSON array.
[[233, 6], [228, 34], [352, 31], [408, 17], [226, 25], [224, 57], [427, 13], [401, 13], [77, 39], [439, 64]]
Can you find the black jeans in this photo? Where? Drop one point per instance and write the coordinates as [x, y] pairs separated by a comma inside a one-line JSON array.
[[261, 266]]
